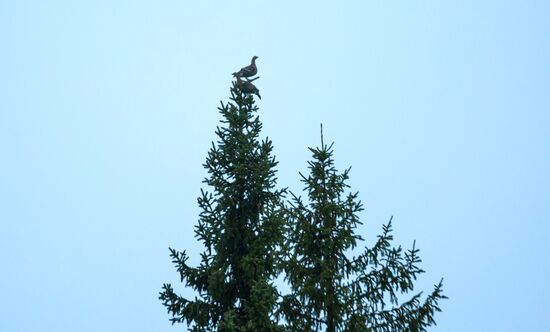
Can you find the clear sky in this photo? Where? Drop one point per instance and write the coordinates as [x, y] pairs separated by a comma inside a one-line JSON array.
[[108, 108]]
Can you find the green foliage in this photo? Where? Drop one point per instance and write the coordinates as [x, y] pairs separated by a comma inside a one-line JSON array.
[[241, 227], [251, 237], [335, 292]]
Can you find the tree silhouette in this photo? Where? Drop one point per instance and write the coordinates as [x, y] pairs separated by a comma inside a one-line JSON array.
[[335, 292], [241, 227], [251, 236]]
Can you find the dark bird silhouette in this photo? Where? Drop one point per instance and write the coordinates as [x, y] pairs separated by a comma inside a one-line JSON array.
[[247, 87], [248, 71]]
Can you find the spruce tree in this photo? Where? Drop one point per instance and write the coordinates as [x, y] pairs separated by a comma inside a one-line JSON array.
[[331, 291], [241, 227]]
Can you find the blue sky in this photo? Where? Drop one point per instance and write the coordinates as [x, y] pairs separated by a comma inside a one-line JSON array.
[[108, 108]]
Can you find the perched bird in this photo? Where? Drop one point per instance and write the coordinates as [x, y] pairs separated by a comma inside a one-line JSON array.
[[247, 87], [248, 71]]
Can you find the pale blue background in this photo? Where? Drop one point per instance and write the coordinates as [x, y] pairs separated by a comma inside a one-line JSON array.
[[108, 108]]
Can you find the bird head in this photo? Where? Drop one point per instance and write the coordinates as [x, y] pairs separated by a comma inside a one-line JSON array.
[[254, 58]]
